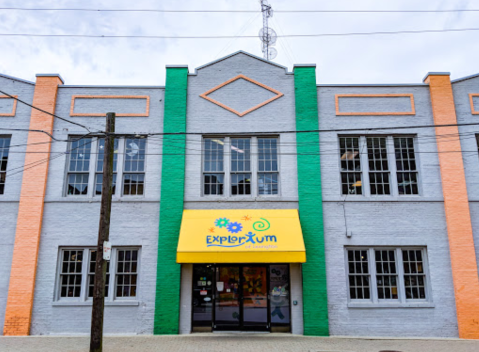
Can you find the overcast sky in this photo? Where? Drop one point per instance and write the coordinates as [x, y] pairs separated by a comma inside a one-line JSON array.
[[403, 58]]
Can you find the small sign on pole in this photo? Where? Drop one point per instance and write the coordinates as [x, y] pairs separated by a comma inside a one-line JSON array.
[[106, 250]]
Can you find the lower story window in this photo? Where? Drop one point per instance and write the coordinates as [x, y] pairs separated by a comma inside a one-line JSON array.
[[71, 273], [359, 278], [91, 274], [126, 273], [76, 276], [414, 274], [387, 275]]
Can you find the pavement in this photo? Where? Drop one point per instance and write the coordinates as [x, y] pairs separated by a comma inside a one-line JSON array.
[[250, 342]]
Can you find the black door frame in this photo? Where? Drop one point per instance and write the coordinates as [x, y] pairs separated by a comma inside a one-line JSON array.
[[240, 326]]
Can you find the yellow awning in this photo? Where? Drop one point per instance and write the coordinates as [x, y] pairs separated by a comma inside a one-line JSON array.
[[241, 236]]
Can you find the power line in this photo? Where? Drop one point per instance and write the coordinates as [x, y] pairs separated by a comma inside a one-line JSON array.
[[108, 36], [48, 113], [265, 133], [241, 31], [42, 161], [158, 140], [30, 130], [421, 140], [328, 152], [470, 152], [270, 133], [236, 11], [322, 152]]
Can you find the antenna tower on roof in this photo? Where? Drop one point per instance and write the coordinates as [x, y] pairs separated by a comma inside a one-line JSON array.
[[266, 34]]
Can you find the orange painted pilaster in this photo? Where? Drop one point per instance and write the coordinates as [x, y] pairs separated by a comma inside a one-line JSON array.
[[456, 204], [30, 212]]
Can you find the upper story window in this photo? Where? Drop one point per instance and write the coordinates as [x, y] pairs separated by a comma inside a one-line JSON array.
[[389, 275], [76, 274], [4, 148], [406, 166], [99, 166], [268, 172], [79, 166], [368, 165], [134, 166], [86, 158], [240, 166]]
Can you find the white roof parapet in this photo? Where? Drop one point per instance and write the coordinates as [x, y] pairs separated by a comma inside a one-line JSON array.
[[236, 53], [16, 79], [436, 74], [50, 75]]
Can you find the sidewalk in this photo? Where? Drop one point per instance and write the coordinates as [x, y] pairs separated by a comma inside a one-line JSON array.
[[235, 342]]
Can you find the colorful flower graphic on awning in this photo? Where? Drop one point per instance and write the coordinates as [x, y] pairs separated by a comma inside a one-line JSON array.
[[222, 222], [234, 227]]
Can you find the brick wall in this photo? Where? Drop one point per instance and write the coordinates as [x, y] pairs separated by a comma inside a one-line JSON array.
[[171, 206], [10, 199], [385, 220], [30, 212], [73, 221], [315, 301], [456, 204]]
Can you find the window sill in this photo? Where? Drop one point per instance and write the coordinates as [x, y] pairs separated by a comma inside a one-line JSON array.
[[90, 302], [362, 198], [86, 199], [265, 198], [370, 305]]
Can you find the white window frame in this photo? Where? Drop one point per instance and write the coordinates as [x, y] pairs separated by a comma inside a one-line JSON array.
[[401, 301], [84, 284], [91, 167], [115, 271], [392, 170], [91, 193], [254, 171], [121, 143]]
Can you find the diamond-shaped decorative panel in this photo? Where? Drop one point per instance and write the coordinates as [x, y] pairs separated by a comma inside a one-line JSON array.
[[236, 86]]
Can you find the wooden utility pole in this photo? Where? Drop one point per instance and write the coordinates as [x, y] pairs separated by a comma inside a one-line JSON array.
[[96, 336]]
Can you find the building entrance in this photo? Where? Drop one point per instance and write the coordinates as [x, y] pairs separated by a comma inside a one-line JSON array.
[[252, 297]]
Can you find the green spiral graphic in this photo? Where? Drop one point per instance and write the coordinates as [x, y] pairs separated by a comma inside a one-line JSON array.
[[260, 225]]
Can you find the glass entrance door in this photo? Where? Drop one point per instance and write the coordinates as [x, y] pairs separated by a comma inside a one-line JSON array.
[[241, 297], [227, 298], [255, 297]]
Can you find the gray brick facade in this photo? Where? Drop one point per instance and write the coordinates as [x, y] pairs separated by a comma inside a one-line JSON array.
[[349, 221]]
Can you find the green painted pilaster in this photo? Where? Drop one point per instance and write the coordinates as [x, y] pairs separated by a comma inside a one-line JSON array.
[[168, 273], [315, 300]]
